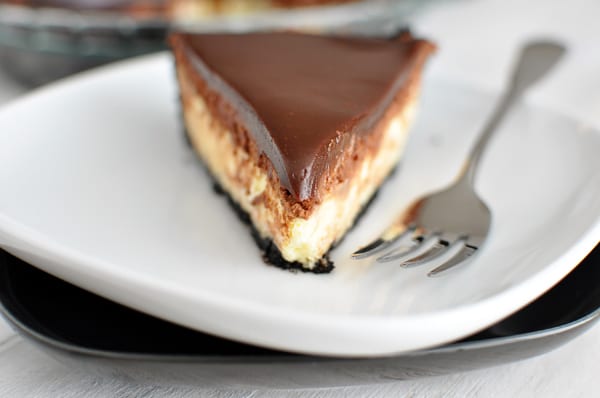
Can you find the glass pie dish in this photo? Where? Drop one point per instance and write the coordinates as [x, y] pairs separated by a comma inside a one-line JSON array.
[[43, 40]]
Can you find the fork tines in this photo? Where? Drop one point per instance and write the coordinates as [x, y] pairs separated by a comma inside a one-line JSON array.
[[413, 248]]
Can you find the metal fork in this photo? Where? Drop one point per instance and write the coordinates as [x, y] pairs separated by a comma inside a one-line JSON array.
[[446, 228]]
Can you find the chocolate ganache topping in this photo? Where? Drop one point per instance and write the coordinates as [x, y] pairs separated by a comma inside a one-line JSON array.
[[298, 94]]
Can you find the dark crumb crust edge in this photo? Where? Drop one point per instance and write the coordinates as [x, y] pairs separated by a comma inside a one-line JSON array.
[[270, 253]]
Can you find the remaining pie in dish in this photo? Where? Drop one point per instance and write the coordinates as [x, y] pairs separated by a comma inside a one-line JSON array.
[[190, 10], [203, 9], [298, 130]]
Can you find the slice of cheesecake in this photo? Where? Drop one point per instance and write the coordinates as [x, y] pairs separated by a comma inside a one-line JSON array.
[[298, 130]]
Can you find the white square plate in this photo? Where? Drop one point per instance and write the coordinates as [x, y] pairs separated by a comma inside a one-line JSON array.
[[98, 187]]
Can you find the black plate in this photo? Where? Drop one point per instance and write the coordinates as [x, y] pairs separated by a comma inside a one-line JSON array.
[[101, 336]]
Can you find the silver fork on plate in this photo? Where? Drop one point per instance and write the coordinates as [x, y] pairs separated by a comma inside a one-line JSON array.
[[446, 228]]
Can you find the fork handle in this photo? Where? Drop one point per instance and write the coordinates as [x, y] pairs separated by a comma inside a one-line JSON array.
[[536, 59]]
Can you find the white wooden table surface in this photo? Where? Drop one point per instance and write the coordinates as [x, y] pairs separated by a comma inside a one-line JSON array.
[[477, 39]]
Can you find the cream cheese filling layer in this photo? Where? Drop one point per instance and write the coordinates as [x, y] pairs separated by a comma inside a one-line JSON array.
[[305, 240]]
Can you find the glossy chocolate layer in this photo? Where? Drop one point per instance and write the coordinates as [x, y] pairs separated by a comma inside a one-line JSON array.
[[301, 95]]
